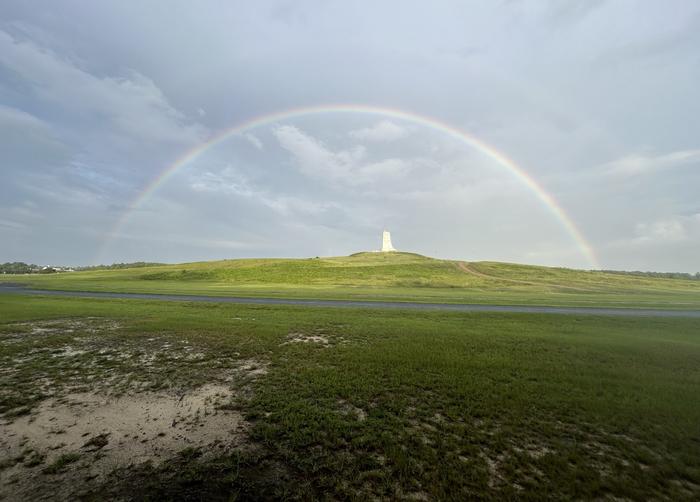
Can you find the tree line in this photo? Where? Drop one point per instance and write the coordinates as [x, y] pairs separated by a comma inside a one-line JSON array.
[[663, 275], [19, 267], [116, 266]]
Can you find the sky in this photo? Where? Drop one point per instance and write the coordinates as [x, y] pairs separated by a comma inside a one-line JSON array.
[[594, 105]]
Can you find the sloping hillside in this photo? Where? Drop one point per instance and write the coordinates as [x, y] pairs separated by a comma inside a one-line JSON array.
[[397, 276]]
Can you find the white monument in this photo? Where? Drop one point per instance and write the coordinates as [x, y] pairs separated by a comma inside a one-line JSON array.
[[386, 242]]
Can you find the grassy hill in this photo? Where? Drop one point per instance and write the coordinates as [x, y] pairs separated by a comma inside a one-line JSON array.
[[386, 276]]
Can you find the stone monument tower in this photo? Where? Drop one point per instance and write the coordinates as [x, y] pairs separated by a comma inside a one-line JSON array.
[[386, 242]]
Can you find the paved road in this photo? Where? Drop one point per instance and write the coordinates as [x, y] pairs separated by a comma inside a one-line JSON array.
[[628, 312]]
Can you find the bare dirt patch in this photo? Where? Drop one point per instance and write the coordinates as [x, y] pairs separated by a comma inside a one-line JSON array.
[[60, 326], [105, 433], [349, 409], [55, 358], [304, 338], [318, 337], [251, 368], [81, 399]]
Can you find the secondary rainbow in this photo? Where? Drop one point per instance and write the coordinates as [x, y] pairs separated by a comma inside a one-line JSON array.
[[518, 172]]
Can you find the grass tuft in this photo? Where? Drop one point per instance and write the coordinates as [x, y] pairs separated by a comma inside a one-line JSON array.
[[61, 463]]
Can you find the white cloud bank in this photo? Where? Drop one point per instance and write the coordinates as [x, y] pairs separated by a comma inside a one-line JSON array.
[[669, 230], [646, 163], [346, 167], [380, 132]]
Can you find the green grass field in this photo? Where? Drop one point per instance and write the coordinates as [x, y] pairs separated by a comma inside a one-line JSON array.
[[348, 403], [381, 276]]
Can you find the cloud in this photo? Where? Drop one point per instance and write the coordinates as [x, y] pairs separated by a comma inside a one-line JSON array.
[[348, 167], [380, 132], [661, 231], [231, 182], [290, 206], [662, 244], [572, 11], [315, 159], [12, 224], [26, 139], [173, 238], [74, 140], [14, 117], [228, 181], [641, 164], [132, 103], [647, 48], [387, 168], [254, 140]]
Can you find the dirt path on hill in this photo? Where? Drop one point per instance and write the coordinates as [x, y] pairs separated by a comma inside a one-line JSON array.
[[465, 267]]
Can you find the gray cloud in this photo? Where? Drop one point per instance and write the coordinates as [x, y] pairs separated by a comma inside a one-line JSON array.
[[132, 104], [648, 163], [386, 130], [254, 140]]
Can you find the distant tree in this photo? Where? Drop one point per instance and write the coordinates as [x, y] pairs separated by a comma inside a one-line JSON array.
[[663, 275], [18, 267], [116, 266]]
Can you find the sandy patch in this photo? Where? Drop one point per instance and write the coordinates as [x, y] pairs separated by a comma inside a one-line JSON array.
[[352, 410], [304, 338], [533, 450], [493, 465], [89, 361], [106, 433], [63, 326], [68, 351], [252, 368], [318, 337], [99, 403]]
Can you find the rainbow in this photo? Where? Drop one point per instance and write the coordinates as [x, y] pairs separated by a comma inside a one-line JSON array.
[[514, 169]]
